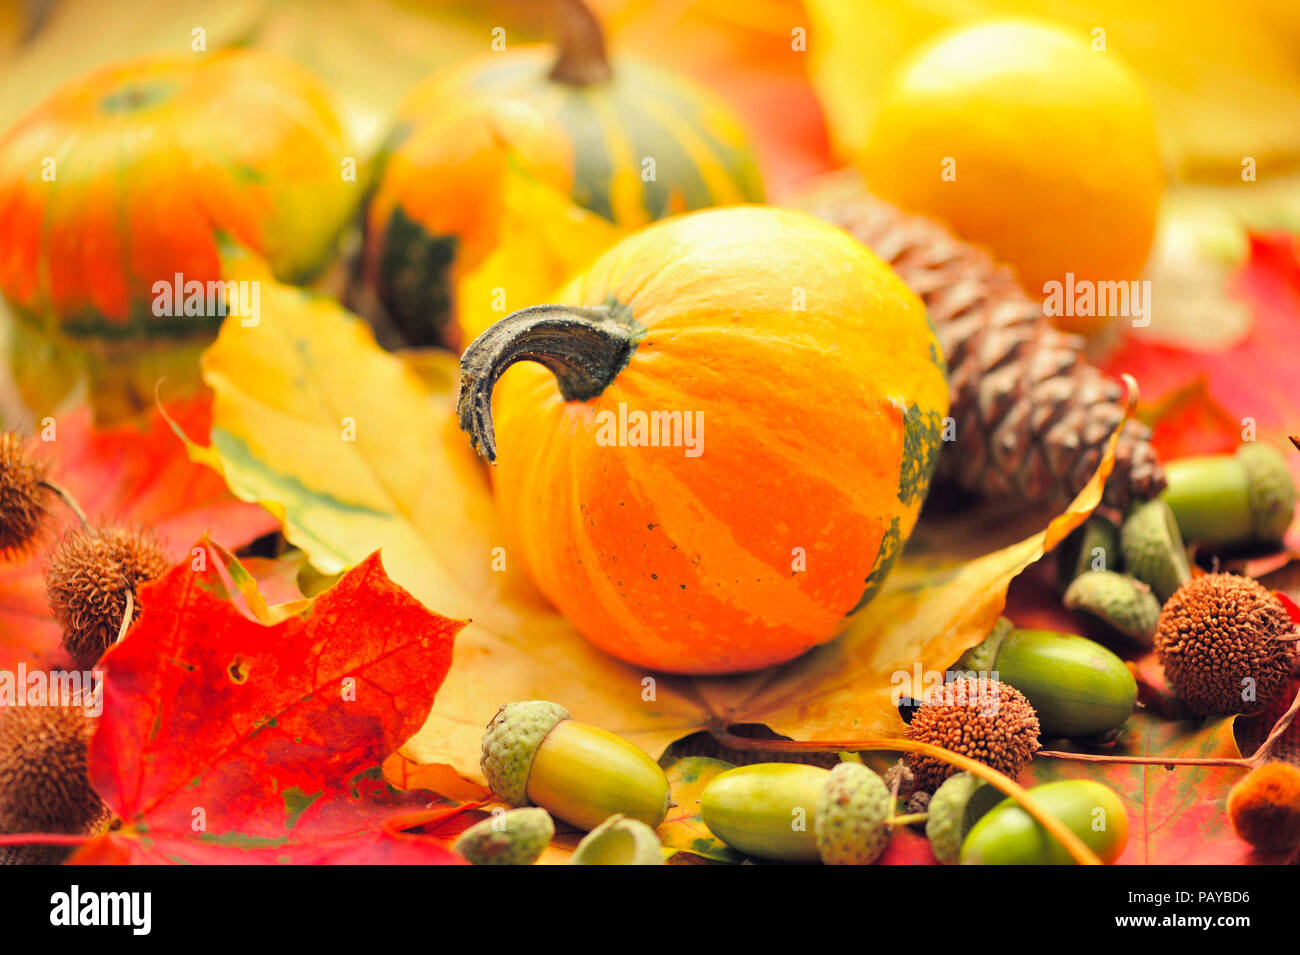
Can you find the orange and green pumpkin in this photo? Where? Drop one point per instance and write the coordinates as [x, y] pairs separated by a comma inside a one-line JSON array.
[[137, 173], [625, 140], [725, 440]]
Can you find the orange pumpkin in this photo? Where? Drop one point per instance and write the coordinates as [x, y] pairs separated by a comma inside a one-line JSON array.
[[138, 172], [725, 440], [625, 140]]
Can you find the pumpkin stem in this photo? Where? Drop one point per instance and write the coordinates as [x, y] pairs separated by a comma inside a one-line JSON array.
[[582, 60], [585, 348]]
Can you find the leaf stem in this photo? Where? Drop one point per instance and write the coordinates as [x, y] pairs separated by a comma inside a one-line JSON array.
[[1144, 760], [127, 615], [1261, 754], [908, 819]]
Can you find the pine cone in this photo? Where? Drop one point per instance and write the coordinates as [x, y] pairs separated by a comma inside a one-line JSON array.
[[1033, 416]]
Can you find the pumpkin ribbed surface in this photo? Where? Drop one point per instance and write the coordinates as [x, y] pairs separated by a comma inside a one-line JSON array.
[[818, 388], [643, 145], [138, 172]]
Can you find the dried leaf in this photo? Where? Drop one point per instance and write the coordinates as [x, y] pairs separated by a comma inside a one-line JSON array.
[[684, 830], [405, 480], [1176, 815]]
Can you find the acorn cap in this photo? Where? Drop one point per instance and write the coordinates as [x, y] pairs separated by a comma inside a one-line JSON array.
[[89, 575], [985, 719], [852, 818], [43, 782], [1220, 635], [23, 498], [516, 837], [1153, 548], [1122, 601], [1272, 492], [619, 841], [953, 809], [982, 658], [510, 742]]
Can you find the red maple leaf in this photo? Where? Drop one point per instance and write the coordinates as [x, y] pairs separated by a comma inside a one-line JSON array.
[[227, 739], [129, 473]]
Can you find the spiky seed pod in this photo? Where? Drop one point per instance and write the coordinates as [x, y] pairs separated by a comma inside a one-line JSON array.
[[1264, 807], [1033, 416], [43, 783], [87, 581], [1226, 643], [987, 720], [24, 499]]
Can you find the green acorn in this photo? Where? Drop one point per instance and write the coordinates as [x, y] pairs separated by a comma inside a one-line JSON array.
[[1008, 835], [534, 754], [1224, 500], [1077, 687], [791, 812], [517, 837]]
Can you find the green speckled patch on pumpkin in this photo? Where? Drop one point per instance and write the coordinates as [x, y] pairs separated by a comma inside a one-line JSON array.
[[133, 96], [922, 439], [890, 545]]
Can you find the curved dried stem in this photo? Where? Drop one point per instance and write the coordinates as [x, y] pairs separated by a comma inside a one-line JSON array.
[[66, 496], [581, 59], [126, 616], [585, 348]]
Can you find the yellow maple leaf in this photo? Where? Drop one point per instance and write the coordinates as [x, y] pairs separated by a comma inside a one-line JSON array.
[[353, 451]]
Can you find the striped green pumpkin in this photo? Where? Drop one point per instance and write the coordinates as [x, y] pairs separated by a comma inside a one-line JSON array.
[[627, 141], [645, 145]]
